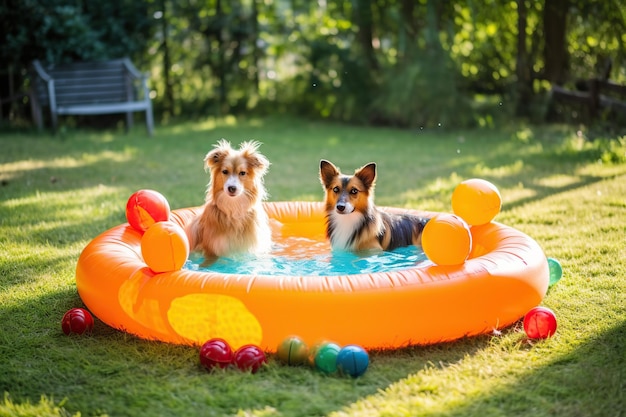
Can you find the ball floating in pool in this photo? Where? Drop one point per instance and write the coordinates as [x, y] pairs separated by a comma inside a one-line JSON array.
[[216, 353], [540, 323], [446, 239], [352, 360], [293, 351], [78, 321], [146, 207], [477, 201], [556, 271], [326, 357], [249, 358], [165, 247]]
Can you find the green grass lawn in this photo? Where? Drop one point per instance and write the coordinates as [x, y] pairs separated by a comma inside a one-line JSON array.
[[569, 194]]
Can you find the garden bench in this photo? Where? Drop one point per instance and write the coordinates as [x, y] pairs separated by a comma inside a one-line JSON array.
[[91, 88]]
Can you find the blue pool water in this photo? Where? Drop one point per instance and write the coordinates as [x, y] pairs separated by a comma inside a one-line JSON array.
[[308, 260]]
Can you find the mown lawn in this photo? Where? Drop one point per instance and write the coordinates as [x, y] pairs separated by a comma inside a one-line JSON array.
[[568, 193]]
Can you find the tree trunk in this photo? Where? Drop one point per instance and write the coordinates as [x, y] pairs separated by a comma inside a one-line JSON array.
[[555, 49], [522, 69], [365, 22], [168, 94], [256, 51], [221, 59], [408, 31]]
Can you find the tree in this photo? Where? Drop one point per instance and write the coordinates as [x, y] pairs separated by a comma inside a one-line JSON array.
[[524, 80], [555, 46]]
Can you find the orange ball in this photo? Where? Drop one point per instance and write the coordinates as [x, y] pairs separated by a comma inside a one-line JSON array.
[[165, 247], [447, 240], [477, 201]]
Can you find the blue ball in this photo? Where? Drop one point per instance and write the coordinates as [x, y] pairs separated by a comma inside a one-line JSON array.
[[352, 360]]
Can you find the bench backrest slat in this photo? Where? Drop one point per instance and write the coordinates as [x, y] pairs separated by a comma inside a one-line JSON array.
[[88, 83]]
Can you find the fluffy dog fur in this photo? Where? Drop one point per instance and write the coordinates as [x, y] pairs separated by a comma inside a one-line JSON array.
[[233, 219], [353, 222]]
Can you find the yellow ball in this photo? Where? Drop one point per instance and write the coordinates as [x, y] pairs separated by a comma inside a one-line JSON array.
[[165, 247], [477, 201], [447, 240]]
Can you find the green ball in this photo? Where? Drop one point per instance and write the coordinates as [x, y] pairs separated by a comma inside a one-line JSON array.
[[326, 358], [556, 271], [313, 351], [293, 351]]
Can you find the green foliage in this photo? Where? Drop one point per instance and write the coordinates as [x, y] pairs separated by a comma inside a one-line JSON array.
[[219, 57], [57, 31], [58, 193], [423, 93]]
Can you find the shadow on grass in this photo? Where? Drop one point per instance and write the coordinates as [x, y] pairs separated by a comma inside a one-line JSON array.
[[589, 381]]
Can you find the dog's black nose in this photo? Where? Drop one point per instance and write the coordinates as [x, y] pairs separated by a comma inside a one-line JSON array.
[[341, 207], [232, 189]]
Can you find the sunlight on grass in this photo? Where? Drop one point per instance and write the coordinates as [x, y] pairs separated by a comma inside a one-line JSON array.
[[11, 169], [517, 193], [45, 408], [482, 171], [558, 181], [210, 123], [65, 207], [265, 412]]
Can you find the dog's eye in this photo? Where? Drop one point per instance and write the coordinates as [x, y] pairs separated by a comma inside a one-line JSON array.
[[242, 173], [354, 191], [225, 171], [335, 190]]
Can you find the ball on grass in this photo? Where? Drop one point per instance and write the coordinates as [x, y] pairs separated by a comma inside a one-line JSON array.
[[540, 323], [165, 247], [293, 351], [326, 357], [477, 201], [146, 207], [446, 239], [78, 321], [556, 271], [249, 358], [352, 360], [216, 353]]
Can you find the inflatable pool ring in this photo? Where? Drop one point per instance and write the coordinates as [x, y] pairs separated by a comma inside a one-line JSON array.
[[505, 275]]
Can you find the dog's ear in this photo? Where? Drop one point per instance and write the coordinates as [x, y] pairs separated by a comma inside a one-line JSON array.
[[256, 160], [367, 174], [213, 158], [216, 156], [258, 163], [327, 172]]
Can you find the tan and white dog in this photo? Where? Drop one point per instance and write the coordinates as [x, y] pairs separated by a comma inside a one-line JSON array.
[[233, 219]]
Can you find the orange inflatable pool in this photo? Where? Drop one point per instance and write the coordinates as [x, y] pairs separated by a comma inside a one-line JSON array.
[[505, 275]]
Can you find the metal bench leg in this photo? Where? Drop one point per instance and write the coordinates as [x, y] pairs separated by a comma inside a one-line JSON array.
[[129, 121], [149, 120]]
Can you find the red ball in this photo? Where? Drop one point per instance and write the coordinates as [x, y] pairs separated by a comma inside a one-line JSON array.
[[77, 320], [249, 357], [146, 207], [540, 323], [216, 353]]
